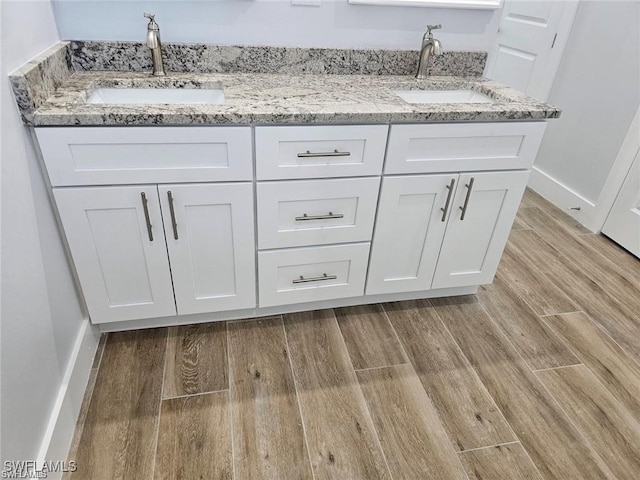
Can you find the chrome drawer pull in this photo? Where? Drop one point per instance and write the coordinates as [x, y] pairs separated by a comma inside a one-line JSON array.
[[319, 217], [173, 215], [335, 153], [146, 215], [446, 205], [466, 199], [315, 279]]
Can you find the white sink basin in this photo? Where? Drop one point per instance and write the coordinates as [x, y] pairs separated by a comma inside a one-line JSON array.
[[156, 96], [442, 96]]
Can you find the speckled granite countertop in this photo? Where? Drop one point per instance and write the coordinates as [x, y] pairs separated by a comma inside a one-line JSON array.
[[257, 98], [270, 98]]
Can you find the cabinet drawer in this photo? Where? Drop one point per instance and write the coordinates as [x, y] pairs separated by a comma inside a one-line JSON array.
[[319, 151], [117, 155], [309, 274], [316, 212], [457, 147]]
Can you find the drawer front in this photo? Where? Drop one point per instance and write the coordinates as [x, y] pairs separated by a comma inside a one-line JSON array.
[[319, 151], [310, 274], [316, 212], [124, 155], [458, 147]]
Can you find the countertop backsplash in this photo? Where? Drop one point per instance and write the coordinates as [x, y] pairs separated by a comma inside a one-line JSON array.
[[201, 58]]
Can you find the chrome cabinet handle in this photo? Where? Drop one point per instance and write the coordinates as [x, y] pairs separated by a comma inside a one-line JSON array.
[[319, 217], [315, 279], [335, 153], [173, 215], [466, 199], [446, 205], [145, 207]]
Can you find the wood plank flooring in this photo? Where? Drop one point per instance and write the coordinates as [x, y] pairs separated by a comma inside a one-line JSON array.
[[196, 360], [537, 376], [340, 433], [408, 425], [501, 462], [467, 410], [604, 422], [268, 435], [369, 336], [194, 440], [118, 439]]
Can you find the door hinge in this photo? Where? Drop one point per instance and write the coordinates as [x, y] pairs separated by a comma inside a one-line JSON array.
[[554, 39]]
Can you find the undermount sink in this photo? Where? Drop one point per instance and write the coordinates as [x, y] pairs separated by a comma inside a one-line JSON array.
[[156, 96], [442, 96]]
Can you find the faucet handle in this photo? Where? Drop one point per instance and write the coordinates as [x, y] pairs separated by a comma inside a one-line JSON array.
[[433, 27], [153, 26]]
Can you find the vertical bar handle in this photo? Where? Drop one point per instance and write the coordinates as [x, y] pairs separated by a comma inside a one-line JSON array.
[[146, 215], [173, 215], [466, 199], [446, 205]]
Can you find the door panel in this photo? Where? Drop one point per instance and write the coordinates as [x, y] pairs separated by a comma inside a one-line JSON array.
[[408, 233], [213, 256], [623, 223], [529, 46], [473, 245], [124, 273]]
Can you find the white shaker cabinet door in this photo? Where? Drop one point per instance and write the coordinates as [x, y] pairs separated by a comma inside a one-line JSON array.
[[411, 221], [210, 238], [118, 248], [482, 213]]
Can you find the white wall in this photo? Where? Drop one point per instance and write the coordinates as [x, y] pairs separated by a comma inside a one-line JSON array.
[[598, 88], [335, 23], [41, 315]]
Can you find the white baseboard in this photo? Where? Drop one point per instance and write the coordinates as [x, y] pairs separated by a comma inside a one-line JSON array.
[[62, 422], [564, 198]]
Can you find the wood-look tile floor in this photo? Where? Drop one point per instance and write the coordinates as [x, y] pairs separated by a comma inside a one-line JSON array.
[[537, 376]]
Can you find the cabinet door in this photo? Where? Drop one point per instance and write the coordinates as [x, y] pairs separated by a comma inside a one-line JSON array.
[[119, 251], [476, 235], [210, 237], [409, 229]]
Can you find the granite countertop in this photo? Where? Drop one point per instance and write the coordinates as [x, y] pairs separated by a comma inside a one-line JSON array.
[[261, 98]]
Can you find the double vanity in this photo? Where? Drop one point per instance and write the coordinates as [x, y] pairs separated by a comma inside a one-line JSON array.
[[226, 194]]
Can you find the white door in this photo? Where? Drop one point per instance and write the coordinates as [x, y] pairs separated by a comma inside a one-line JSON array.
[[412, 216], [530, 43], [210, 237], [118, 249], [623, 223], [482, 213]]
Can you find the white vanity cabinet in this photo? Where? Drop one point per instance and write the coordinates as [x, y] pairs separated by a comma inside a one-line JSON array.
[[168, 246], [180, 224], [324, 201], [442, 231], [448, 230], [119, 238]]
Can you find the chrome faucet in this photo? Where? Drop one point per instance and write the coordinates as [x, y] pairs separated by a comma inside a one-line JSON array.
[[430, 46], [153, 42]]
